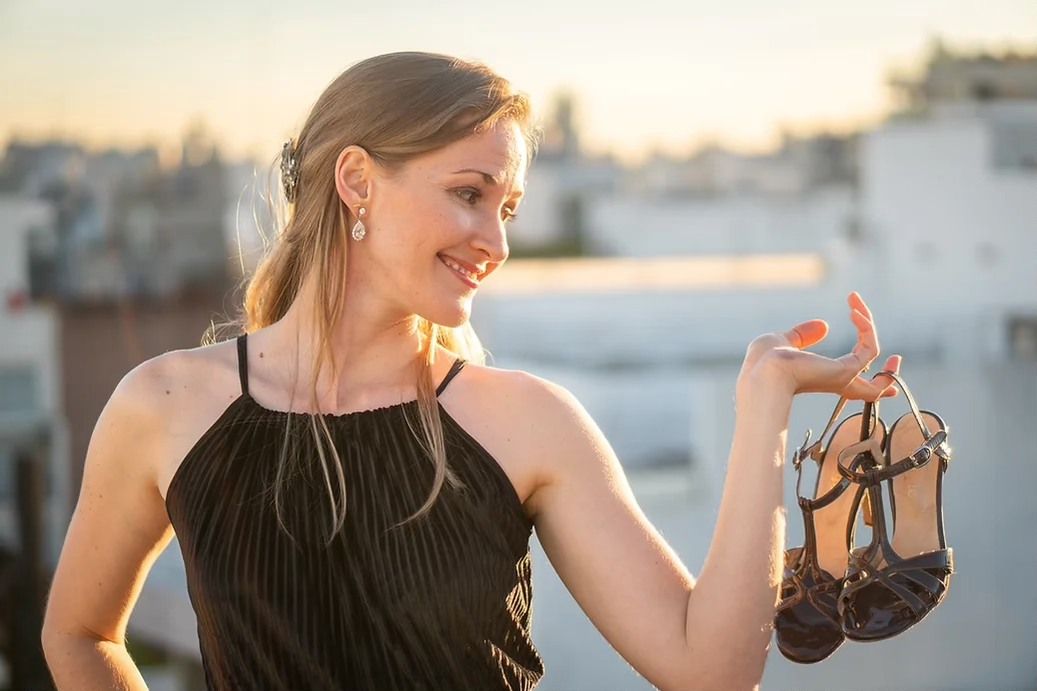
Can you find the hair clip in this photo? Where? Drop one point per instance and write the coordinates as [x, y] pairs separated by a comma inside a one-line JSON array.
[[289, 170]]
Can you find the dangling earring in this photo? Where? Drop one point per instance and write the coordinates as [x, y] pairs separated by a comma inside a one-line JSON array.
[[359, 230]]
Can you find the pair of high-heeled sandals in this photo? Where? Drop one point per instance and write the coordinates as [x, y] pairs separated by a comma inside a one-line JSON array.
[[831, 590]]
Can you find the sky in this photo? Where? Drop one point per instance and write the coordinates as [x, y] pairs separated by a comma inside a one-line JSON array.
[[647, 75]]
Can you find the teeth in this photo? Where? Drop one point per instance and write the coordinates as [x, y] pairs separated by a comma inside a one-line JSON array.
[[458, 268]]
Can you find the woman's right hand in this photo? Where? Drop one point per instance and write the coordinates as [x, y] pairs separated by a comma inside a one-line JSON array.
[[780, 359]]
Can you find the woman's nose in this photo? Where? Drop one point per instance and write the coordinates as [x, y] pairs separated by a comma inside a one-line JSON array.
[[493, 242]]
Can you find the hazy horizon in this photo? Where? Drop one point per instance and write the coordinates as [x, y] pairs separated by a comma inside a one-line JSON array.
[[670, 77]]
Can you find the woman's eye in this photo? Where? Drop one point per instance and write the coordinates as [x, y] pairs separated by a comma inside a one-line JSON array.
[[473, 196]]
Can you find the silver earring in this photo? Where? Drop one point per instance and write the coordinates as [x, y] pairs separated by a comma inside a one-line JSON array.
[[359, 230]]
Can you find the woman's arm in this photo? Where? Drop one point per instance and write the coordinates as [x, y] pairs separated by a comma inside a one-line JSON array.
[[731, 609], [676, 631], [85, 662], [118, 529]]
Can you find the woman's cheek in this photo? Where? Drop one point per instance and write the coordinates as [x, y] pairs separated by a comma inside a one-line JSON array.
[[458, 218]]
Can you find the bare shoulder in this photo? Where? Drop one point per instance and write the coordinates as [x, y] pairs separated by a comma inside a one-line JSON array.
[[188, 373], [164, 383], [150, 391], [520, 418], [191, 387]]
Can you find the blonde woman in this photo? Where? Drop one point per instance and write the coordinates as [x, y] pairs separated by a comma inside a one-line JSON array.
[[369, 529]]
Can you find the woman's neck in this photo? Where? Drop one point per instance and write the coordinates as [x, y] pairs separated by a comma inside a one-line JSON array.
[[376, 356]]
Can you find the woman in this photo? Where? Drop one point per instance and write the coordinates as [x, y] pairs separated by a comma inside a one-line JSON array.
[[374, 532]]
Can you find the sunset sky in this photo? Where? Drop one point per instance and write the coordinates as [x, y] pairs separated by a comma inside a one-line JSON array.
[[653, 74]]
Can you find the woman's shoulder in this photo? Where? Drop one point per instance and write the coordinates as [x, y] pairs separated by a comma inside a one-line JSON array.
[[183, 392], [532, 425], [511, 381], [166, 381], [519, 399], [173, 396]]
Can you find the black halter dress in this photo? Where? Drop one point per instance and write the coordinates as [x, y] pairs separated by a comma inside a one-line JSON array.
[[443, 602]]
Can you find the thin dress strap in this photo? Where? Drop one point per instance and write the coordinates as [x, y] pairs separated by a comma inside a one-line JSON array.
[[243, 363], [454, 369]]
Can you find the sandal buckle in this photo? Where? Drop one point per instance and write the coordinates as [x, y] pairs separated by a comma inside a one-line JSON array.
[[921, 456], [801, 451], [936, 445]]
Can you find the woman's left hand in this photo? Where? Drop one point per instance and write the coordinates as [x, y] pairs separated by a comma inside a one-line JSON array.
[[780, 359]]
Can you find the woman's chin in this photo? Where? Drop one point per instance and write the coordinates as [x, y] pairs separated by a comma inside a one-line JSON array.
[[455, 314]]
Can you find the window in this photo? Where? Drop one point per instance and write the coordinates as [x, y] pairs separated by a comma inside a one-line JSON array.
[[1022, 338]]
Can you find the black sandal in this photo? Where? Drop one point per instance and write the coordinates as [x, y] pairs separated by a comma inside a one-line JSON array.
[[884, 592], [806, 623]]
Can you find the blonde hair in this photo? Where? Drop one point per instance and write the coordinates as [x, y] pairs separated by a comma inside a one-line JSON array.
[[396, 106]]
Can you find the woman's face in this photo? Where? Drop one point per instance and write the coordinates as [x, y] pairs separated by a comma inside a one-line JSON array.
[[440, 208]]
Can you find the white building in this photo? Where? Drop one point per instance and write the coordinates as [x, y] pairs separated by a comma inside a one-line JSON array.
[[950, 202]]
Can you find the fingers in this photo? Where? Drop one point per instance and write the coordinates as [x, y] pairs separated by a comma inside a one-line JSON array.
[[857, 302], [881, 386], [861, 389], [862, 320], [817, 373], [860, 358], [867, 348], [884, 380], [892, 364]]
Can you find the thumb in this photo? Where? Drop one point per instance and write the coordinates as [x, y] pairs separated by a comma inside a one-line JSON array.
[[806, 334]]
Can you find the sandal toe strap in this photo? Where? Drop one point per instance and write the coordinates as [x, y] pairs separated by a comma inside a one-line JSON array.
[[913, 568], [825, 596], [822, 594]]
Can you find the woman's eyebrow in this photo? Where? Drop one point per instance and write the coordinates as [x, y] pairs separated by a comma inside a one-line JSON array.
[[490, 180]]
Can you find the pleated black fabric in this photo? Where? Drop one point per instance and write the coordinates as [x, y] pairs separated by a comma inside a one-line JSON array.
[[443, 602]]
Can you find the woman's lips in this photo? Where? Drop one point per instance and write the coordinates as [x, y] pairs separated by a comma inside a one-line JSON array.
[[461, 277]]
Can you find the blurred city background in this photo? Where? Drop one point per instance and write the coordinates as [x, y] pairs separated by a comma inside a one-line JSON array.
[[652, 247]]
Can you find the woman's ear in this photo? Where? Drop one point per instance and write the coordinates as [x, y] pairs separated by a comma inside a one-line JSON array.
[[354, 171]]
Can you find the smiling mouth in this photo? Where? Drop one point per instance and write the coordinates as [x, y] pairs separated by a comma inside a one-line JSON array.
[[469, 278]]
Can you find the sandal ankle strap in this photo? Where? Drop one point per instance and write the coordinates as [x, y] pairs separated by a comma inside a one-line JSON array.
[[936, 445]]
